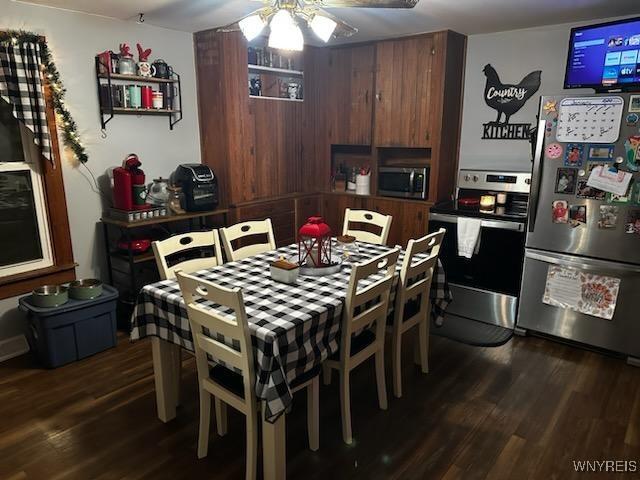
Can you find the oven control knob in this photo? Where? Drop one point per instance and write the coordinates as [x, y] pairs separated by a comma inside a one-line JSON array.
[[527, 181], [476, 178], [467, 178]]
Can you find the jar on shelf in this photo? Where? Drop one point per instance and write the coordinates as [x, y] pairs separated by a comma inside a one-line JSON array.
[[175, 200]]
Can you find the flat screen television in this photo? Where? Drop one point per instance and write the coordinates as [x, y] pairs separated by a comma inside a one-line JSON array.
[[605, 56]]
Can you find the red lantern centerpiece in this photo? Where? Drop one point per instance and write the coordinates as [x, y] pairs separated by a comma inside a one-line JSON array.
[[314, 243]]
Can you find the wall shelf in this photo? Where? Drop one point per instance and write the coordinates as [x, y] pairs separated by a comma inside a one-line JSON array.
[[280, 71], [106, 80], [263, 97], [137, 78]]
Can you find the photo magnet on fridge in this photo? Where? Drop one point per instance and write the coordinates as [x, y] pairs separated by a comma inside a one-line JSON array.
[[566, 180], [608, 217], [585, 191], [574, 155], [577, 215], [601, 153], [634, 103], [560, 211], [632, 223]]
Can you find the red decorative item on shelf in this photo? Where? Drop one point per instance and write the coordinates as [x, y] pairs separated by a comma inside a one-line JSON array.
[[314, 243], [143, 55], [146, 94]]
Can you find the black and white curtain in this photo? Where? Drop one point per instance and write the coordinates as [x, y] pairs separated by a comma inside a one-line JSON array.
[[21, 86]]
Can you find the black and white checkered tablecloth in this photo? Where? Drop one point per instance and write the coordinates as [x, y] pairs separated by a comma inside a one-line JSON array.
[[294, 328]]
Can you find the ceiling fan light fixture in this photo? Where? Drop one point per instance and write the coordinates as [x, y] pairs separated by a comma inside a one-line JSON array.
[[285, 33], [252, 26], [323, 27]]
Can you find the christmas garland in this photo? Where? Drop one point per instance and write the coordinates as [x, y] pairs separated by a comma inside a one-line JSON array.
[[51, 74]]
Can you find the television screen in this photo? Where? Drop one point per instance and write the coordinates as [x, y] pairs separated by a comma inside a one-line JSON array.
[[604, 56]]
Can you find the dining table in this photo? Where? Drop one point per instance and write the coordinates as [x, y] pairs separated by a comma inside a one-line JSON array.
[[294, 328]]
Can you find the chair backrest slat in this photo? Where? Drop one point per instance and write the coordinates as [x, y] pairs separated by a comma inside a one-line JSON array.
[[181, 243], [247, 229], [416, 275], [383, 222], [206, 323], [372, 301]]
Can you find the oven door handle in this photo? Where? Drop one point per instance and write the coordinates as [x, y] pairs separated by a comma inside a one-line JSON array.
[[498, 224]]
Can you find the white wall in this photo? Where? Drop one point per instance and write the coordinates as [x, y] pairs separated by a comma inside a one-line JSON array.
[[74, 39], [514, 54]]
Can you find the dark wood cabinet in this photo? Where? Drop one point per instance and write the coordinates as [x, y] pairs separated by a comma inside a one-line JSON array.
[[351, 84], [404, 92], [307, 206]]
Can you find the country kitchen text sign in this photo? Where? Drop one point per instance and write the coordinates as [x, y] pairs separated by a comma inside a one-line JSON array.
[[508, 99]]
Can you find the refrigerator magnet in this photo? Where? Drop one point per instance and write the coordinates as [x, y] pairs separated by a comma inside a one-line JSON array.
[[550, 107], [632, 223], [577, 215], [600, 153], [574, 155], [608, 217], [634, 103], [589, 193], [566, 179], [632, 150], [632, 119], [560, 211], [554, 151]]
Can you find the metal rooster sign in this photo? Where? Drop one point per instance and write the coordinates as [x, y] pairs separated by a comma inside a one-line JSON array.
[[508, 99]]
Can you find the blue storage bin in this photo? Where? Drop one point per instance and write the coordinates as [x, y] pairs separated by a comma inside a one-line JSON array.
[[72, 331]]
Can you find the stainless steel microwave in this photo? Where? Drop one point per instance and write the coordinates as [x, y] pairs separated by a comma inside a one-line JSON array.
[[406, 182]]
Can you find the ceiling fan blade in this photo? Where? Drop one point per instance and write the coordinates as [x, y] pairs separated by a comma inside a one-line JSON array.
[[367, 3], [264, 12]]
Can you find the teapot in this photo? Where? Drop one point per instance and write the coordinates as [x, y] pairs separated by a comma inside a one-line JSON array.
[[162, 70], [158, 193]]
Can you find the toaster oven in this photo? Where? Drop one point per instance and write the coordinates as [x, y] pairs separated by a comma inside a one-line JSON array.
[[406, 182]]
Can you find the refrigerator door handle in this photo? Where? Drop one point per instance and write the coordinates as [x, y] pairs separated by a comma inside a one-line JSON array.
[[581, 263], [536, 174]]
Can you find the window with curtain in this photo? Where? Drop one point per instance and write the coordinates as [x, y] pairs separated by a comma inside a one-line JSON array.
[[25, 243]]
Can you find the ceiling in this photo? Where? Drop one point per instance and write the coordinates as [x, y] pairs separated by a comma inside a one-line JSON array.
[[464, 16]]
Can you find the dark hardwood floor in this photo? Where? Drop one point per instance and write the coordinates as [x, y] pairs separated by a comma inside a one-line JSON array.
[[523, 410]]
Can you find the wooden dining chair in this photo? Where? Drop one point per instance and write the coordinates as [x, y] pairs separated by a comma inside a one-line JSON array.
[[230, 378], [240, 232], [363, 327], [375, 219], [180, 244], [412, 305]]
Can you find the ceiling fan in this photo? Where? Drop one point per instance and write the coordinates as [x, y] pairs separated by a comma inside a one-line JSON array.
[[282, 16]]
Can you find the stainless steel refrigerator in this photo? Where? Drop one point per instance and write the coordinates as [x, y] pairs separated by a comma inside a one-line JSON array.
[[581, 277]]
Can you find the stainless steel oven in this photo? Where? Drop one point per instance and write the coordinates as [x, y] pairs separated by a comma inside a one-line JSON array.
[[406, 182], [485, 287]]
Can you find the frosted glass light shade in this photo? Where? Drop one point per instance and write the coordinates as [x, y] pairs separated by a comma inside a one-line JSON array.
[[285, 33], [323, 27], [251, 26]]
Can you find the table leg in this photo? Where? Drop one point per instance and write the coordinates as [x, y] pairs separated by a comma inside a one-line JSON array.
[[166, 367], [274, 457]]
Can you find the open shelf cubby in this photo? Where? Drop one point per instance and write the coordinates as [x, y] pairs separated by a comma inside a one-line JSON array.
[[274, 74]]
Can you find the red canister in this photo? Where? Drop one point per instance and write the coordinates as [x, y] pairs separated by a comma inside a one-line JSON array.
[[147, 96]]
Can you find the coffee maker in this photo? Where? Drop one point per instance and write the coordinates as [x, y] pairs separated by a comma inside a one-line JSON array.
[[199, 186], [129, 191]]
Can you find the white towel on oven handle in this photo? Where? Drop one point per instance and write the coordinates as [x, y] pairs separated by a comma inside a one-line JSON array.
[[468, 236]]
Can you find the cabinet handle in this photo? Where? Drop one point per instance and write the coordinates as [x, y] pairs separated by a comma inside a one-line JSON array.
[[366, 96], [426, 135], [379, 96]]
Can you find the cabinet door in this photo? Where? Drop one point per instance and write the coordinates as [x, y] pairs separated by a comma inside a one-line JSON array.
[[404, 91], [308, 206], [351, 77], [415, 222], [333, 207]]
